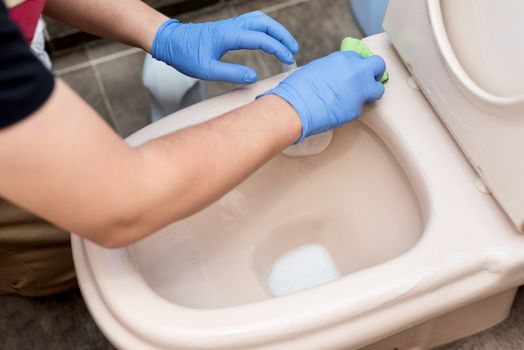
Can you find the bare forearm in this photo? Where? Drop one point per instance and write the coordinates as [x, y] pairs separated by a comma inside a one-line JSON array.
[[71, 169], [128, 21], [194, 167]]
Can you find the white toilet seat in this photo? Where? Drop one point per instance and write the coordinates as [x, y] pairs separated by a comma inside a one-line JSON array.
[[469, 251]]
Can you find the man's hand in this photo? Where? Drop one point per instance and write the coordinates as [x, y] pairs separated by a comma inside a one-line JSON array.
[[196, 49], [332, 90]]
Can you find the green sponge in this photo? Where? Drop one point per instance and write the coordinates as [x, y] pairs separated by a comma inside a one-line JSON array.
[[352, 44]]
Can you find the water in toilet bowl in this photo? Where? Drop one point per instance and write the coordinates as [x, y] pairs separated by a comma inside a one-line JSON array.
[[302, 268]]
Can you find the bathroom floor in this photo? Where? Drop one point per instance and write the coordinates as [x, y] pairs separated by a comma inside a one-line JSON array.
[[108, 76]]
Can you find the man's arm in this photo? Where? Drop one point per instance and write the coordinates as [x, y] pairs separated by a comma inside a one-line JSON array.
[[128, 21], [70, 168], [195, 50]]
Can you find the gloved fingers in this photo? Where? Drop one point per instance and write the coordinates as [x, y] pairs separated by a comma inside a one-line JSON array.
[[260, 22], [232, 73], [377, 65], [251, 40], [375, 91]]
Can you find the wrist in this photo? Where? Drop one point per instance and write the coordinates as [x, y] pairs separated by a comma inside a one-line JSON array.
[[295, 100], [285, 118], [163, 27]]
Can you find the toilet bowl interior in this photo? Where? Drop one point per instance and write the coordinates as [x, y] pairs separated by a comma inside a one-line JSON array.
[[298, 222]]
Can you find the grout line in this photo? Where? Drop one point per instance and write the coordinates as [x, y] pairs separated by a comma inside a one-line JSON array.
[[273, 8], [96, 61], [72, 68], [283, 5], [190, 16], [103, 92]]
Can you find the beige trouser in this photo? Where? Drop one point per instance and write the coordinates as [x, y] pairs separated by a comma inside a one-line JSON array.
[[35, 256]]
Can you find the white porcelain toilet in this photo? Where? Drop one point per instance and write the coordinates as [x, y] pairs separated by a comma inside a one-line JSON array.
[[405, 233]]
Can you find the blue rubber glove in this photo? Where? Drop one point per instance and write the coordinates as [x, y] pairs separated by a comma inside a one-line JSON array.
[[332, 90], [196, 49]]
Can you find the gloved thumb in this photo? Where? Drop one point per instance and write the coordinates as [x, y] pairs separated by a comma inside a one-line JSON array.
[[232, 73]]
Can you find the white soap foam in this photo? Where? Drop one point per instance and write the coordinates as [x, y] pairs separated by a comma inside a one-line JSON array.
[[310, 146], [308, 266]]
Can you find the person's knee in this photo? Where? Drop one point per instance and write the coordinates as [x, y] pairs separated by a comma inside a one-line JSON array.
[[38, 271]]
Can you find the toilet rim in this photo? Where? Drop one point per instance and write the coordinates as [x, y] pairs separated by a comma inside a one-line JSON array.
[[166, 324]]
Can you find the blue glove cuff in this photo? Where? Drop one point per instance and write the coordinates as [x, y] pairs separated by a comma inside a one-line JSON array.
[[291, 96], [165, 28]]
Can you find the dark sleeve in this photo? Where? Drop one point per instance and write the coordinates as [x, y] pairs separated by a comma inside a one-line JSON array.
[[25, 84]]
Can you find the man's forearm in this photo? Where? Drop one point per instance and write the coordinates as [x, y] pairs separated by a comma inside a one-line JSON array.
[[210, 159], [71, 169], [129, 21]]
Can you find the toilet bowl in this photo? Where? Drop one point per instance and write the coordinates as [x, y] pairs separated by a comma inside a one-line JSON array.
[[397, 236]]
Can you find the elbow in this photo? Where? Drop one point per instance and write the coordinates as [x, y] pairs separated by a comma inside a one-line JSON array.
[[107, 237], [111, 239], [116, 232]]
